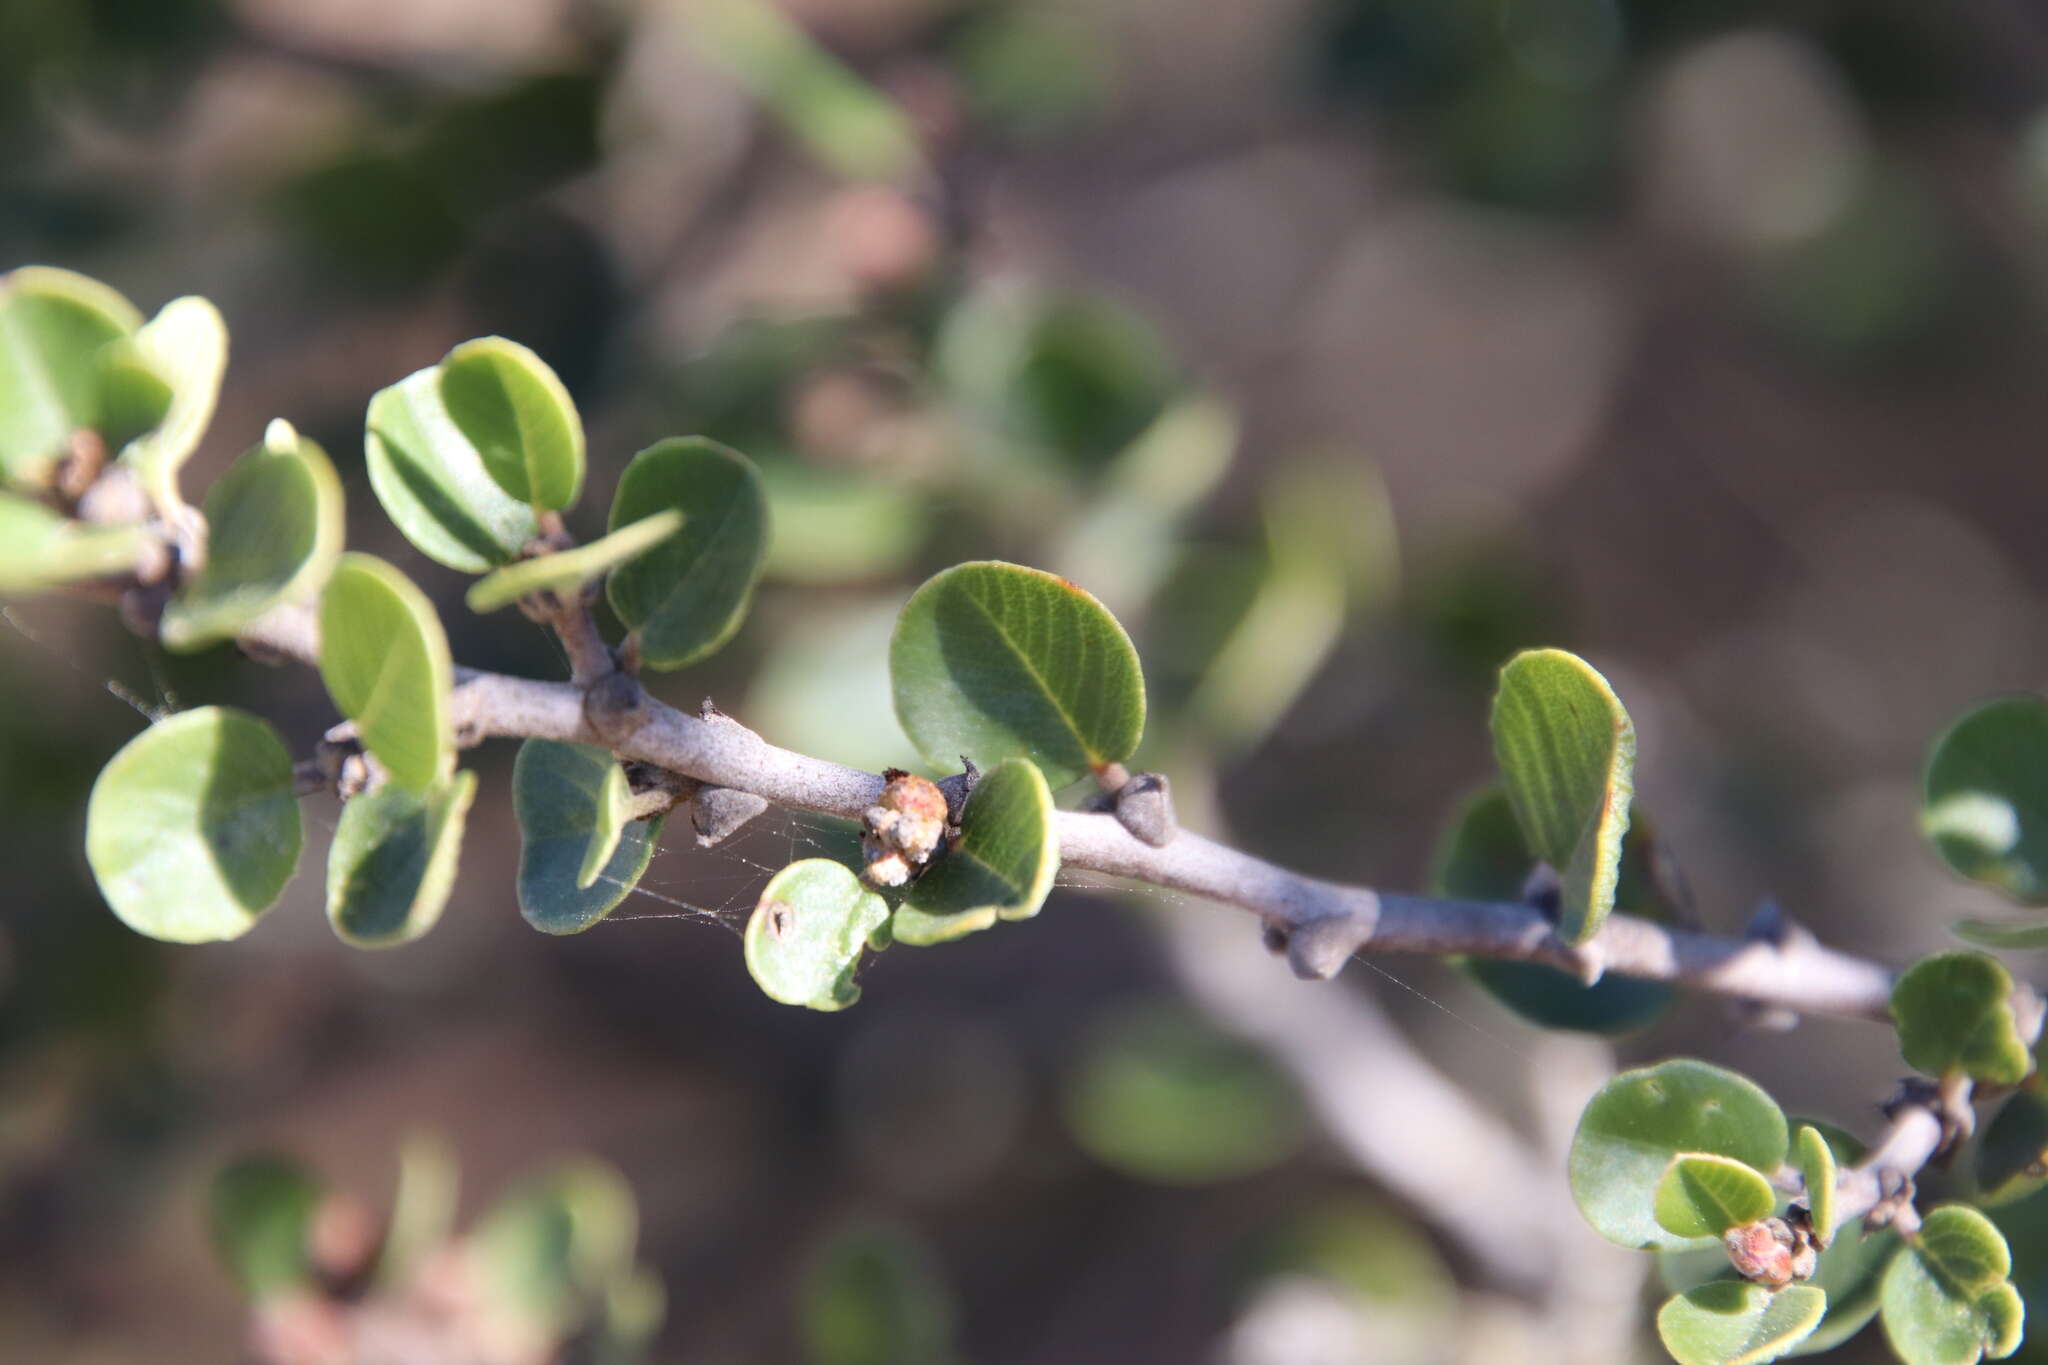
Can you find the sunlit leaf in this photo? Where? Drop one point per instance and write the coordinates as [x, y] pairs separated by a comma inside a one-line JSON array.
[[39, 549], [1954, 1014], [1733, 1322], [518, 418], [54, 328], [392, 864], [1000, 867], [422, 1209], [384, 658], [1946, 1299], [1816, 1162], [1702, 1195], [808, 931], [552, 1246], [433, 484], [571, 569], [186, 344], [686, 596]]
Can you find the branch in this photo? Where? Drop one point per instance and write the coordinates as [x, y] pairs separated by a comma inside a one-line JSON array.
[[1320, 923]]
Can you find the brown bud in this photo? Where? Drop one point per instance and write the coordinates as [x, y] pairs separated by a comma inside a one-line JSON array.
[[904, 830]]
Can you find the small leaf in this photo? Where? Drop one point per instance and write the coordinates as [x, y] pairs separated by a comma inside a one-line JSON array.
[[1986, 805], [807, 933], [187, 345], [1640, 1120], [551, 1247], [2009, 935], [1946, 1299], [1954, 1015], [39, 549], [1816, 1162], [686, 596], [1734, 1322], [1701, 1195], [2012, 1157], [522, 423], [1000, 867], [872, 1296], [433, 484], [193, 830], [260, 1217], [1850, 1273], [274, 535], [1568, 752], [571, 569], [996, 661], [392, 863], [578, 859], [384, 658], [54, 327], [422, 1210]]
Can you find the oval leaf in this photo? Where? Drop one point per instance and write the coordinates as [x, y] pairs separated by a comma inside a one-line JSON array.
[[1734, 1322], [1816, 1162], [274, 534], [433, 484], [1567, 750], [1946, 1300], [39, 549], [2012, 1158], [578, 858], [1483, 857], [260, 1218], [1640, 1120], [384, 658], [807, 933], [392, 863], [551, 1247], [571, 569], [2008, 935], [54, 326], [995, 661], [1702, 1195], [1954, 1015], [1986, 808], [686, 596], [1000, 867], [522, 423], [187, 345], [193, 830], [1850, 1273]]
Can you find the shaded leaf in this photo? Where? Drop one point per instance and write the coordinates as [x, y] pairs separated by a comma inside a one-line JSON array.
[[805, 938], [260, 1219], [39, 549], [54, 327], [384, 658], [186, 344], [521, 422], [193, 830], [579, 857], [555, 1244], [686, 596], [872, 1296], [392, 863], [1000, 867], [1701, 1195], [1986, 797], [2012, 1156], [569, 570], [1733, 1322], [433, 484], [1954, 1015]]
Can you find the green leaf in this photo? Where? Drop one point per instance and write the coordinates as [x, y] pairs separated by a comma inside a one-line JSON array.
[[1733, 1322], [2008, 935], [512, 409], [422, 1210], [1954, 1015], [1850, 1273], [1000, 867], [994, 661], [1986, 808], [260, 1219], [1816, 1162], [571, 569], [2012, 1156], [193, 830], [553, 1245], [686, 596], [578, 858], [274, 534], [1702, 1195], [54, 326], [805, 938], [1946, 1299], [872, 1296], [1483, 857], [392, 863], [433, 484], [39, 549], [1567, 750], [1162, 1095], [187, 345], [384, 658], [1640, 1120]]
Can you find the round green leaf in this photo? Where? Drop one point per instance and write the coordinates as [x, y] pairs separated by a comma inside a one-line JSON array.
[[193, 830], [187, 345], [807, 933], [872, 1296], [1640, 1120], [1986, 808], [1483, 857], [1816, 1162], [1946, 1299], [1850, 1273], [553, 1245], [1000, 867], [579, 857], [571, 569], [685, 597], [1954, 1015], [385, 660], [39, 549], [274, 533], [2012, 1156], [1734, 1322], [513, 410], [1567, 750], [433, 484], [260, 1218], [994, 661], [54, 326], [1702, 1195], [392, 863]]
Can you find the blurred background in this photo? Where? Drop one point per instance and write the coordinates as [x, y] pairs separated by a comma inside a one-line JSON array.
[[1341, 346]]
